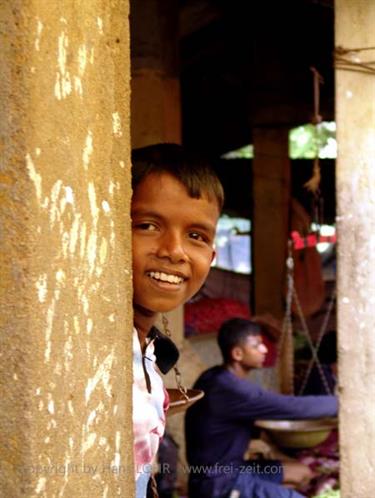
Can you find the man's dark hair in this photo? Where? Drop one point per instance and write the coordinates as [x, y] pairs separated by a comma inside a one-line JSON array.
[[234, 332], [196, 175]]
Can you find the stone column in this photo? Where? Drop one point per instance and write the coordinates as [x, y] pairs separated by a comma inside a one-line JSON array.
[[271, 192], [155, 103], [65, 285], [355, 177]]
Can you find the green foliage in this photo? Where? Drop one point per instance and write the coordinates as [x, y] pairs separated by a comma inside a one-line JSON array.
[[304, 143], [308, 140], [245, 152]]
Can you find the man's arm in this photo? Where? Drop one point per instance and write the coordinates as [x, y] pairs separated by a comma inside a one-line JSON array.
[[252, 402]]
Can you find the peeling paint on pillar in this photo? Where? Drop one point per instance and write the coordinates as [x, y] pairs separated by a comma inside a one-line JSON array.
[[355, 179], [65, 287]]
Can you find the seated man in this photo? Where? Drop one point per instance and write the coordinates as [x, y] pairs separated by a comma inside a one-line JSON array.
[[219, 426]]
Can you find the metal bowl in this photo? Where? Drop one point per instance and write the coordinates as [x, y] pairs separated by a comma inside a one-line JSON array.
[[180, 403], [298, 433]]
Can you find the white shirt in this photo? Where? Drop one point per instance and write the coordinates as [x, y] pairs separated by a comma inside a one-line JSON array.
[[148, 413]]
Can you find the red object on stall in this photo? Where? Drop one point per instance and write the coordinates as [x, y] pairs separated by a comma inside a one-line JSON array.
[[206, 316]]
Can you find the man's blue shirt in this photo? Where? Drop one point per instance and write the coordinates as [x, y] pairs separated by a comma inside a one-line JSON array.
[[219, 426]]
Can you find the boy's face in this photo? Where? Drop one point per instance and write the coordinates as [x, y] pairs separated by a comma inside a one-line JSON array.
[[251, 353], [173, 236]]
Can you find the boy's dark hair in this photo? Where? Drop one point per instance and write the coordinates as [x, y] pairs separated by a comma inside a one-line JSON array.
[[196, 175], [234, 332]]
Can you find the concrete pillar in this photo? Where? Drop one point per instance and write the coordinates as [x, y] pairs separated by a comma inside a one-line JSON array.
[[270, 221], [271, 192], [355, 177], [155, 103], [65, 288]]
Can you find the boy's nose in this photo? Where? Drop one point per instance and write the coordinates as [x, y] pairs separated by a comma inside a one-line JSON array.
[[171, 246], [263, 348]]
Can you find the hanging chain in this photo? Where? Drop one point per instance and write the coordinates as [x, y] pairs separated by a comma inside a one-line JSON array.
[[177, 372], [154, 487], [287, 322], [310, 343], [286, 338], [322, 332]]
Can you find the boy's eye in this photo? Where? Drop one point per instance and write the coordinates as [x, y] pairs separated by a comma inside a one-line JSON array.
[[198, 236], [146, 226]]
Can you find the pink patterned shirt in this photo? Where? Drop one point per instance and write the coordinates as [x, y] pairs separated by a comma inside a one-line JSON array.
[[148, 413]]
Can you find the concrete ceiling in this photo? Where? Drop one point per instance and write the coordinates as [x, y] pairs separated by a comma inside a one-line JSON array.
[[245, 64]]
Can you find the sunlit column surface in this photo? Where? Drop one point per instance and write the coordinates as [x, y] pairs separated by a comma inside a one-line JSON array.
[[65, 289], [355, 177]]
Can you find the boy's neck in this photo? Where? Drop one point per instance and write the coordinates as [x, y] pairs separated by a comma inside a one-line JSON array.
[[143, 322], [236, 369]]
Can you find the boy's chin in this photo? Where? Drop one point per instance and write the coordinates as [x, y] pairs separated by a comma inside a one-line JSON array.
[[155, 308]]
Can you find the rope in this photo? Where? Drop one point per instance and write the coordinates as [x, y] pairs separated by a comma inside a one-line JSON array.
[[318, 80], [342, 60], [313, 184]]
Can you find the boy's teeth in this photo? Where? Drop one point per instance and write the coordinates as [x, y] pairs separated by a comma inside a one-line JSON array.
[[165, 277]]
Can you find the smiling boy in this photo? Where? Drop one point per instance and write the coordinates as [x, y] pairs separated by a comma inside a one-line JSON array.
[[175, 207]]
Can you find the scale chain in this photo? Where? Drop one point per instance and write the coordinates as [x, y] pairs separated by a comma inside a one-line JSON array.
[[317, 345], [311, 345], [177, 372]]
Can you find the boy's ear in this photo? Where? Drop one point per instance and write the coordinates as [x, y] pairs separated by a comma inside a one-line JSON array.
[[213, 255], [237, 353]]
